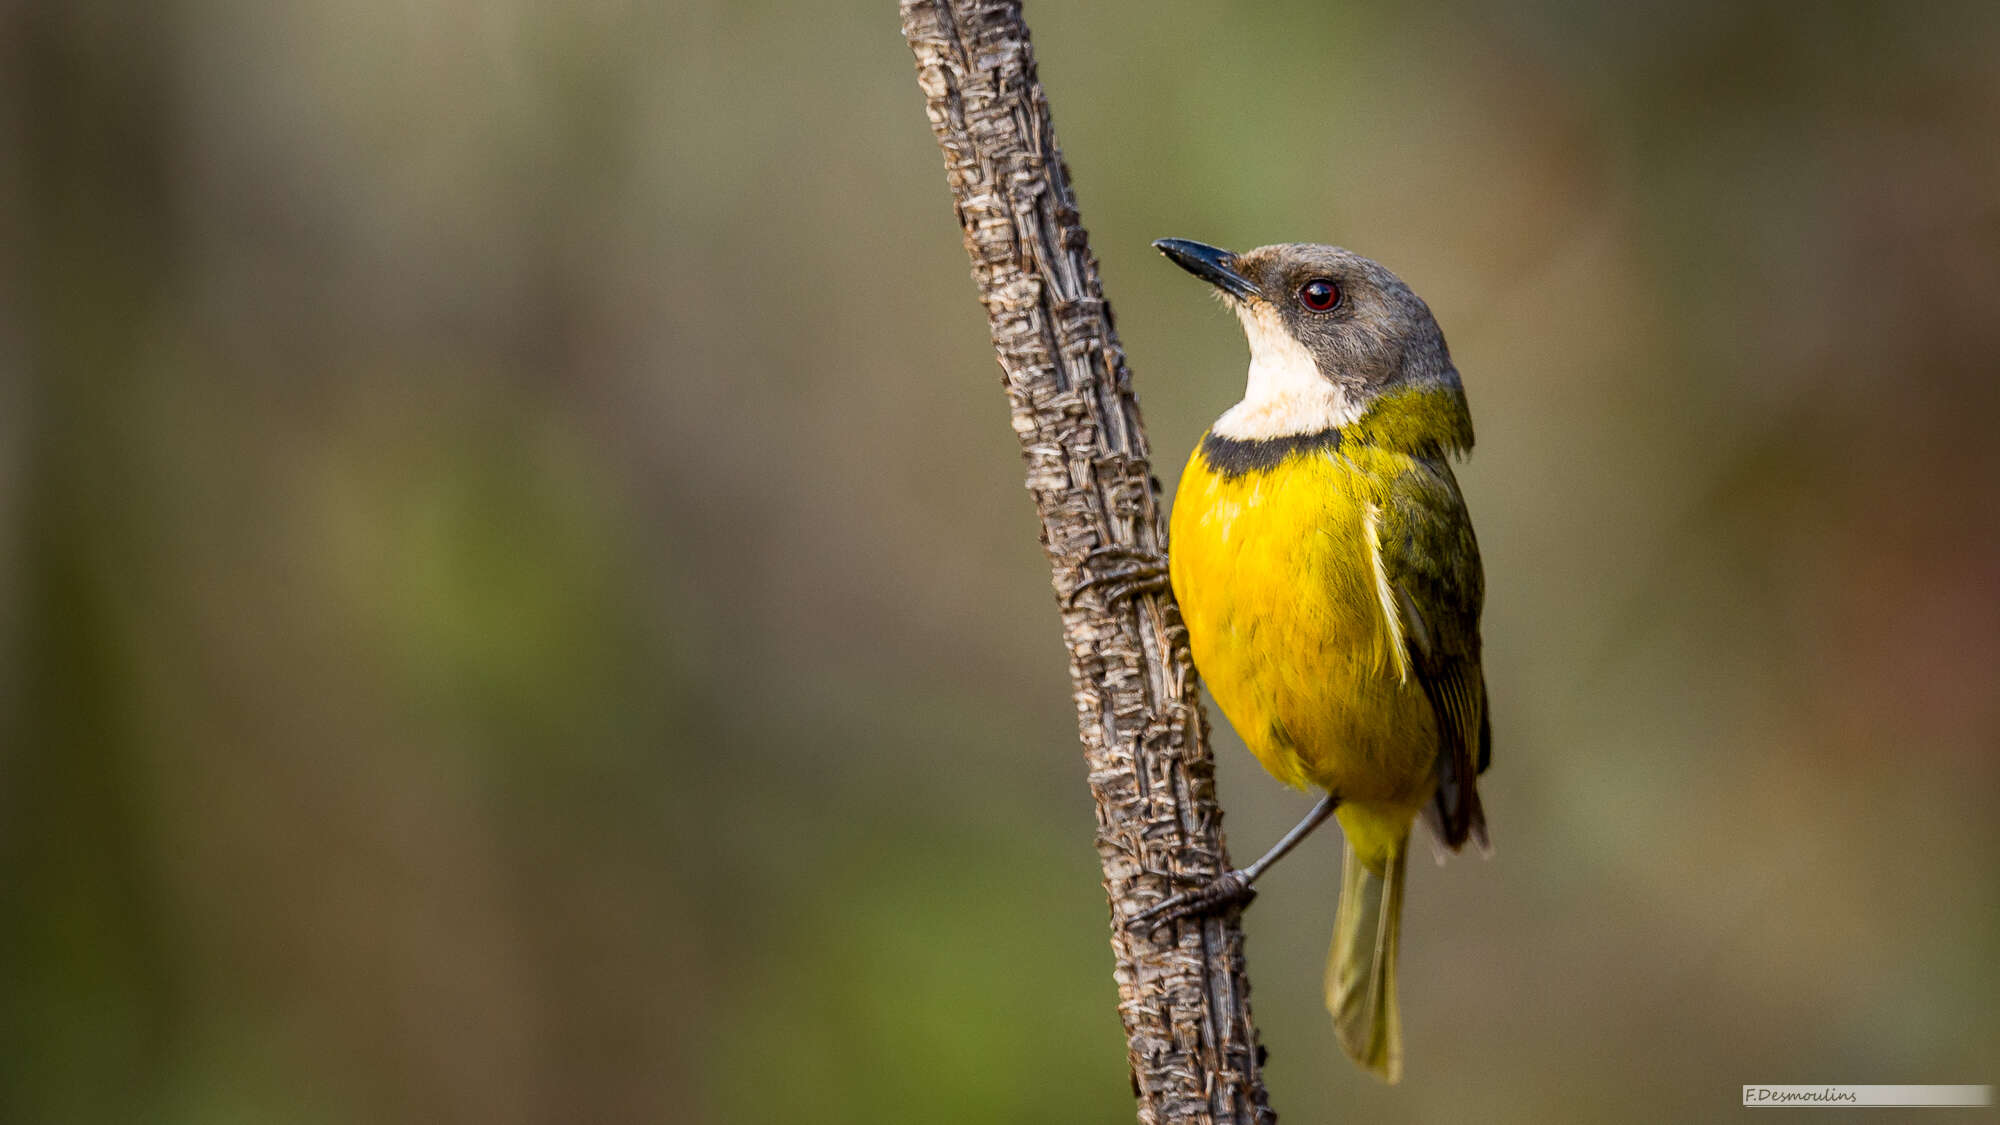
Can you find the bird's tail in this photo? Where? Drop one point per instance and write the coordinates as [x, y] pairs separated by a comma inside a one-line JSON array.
[[1361, 967]]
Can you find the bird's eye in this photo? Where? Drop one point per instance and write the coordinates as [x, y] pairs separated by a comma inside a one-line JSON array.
[[1319, 294]]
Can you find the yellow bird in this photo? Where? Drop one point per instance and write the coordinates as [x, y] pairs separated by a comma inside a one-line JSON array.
[[1331, 587]]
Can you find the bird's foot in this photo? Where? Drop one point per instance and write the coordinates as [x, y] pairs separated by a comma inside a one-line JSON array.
[[1231, 888], [1143, 572]]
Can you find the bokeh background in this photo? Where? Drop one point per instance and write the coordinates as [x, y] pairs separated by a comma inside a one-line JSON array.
[[519, 604]]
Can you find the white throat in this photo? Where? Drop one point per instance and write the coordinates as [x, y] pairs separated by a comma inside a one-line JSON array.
[[1286, 395]]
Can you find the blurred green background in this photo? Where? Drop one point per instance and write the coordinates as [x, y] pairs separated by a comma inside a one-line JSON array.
[[519, 604]]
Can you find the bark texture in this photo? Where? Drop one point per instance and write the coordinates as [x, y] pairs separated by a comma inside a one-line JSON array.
[[1182, 992]]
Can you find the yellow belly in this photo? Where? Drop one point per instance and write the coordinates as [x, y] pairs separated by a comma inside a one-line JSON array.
[[1277, 581]]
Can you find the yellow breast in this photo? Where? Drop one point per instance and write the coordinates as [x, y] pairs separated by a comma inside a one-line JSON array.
[[1292, 625]]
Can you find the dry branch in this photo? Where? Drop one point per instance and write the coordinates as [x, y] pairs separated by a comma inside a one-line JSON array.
[[1182, 993]]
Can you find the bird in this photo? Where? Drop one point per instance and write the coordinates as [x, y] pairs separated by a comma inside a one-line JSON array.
[[1330, 585]]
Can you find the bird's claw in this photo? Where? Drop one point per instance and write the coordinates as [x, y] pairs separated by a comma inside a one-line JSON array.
[[1232, 888]]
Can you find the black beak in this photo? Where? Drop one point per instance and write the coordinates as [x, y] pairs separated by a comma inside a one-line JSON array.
[[1212, 264]]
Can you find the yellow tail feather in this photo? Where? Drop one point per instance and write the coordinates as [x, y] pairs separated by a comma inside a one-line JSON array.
[[1361, 967]]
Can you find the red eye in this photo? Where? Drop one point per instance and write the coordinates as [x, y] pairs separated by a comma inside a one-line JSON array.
[[1319, 294]]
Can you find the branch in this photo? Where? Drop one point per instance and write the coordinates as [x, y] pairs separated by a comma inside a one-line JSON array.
[[1182, 993]]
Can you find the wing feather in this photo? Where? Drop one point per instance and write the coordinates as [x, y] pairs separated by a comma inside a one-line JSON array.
[[1431, 561]]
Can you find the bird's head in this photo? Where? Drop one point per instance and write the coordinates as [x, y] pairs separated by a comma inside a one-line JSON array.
[[1330, 332]]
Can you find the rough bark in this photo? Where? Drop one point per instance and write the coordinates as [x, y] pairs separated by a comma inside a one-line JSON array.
[[1182, 993]]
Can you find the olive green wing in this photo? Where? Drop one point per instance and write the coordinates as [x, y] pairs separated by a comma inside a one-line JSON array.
[[1430, 560]]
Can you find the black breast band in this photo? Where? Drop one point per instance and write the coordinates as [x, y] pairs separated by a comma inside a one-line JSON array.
[[1233, 457]]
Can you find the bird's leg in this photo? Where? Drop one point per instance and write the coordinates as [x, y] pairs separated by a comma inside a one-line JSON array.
[[1231, 887], [1143, 572]]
